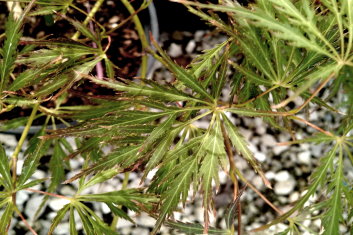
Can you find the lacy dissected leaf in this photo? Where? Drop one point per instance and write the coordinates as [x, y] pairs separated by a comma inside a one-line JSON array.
[[92, 224], [53, 56], [133, 199], [333, 214], [118, 157], [65, 79], [179, 185], [100, 177], [160, 151], [205, 61], [84, 29], [73, 230], [61, 42], [56, 166], [35, 151], [27, 78], [159, 132], [318, 177], [191, 229], [6, 218], [135, 89], [57, 219], [241, 146], [182, 74], [213, 155], [5, 169], [9, 52]]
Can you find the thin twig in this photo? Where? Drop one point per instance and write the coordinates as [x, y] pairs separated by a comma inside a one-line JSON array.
[[49, 194], [312, 125], [232, 175], [24, 220], [318, 89]]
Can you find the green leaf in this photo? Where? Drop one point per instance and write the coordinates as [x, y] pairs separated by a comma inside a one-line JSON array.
[[87, 225], [100, 177], [192, 229], [119, 212], [160, 131], [73, 230], [82, 29], [181, 74], [333, 215], [61, 42], [130, 198], [57, 219], [241, 146], [255, 113], [37, 150], [143, 90], [179, 187], [12, 33], [6, 218], [255, 78], [117, 157], [318, 176], [67, 78], [45, 57], [31, 184], [204, 62], [5, 169], [56, 166], [212, 154], [13, 123], [160, 151]]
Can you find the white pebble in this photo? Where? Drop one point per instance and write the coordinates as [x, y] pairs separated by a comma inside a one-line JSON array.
[[67, 190], [63, 228], [151, 174], [19, 166], [9, 140], [268, 140], [282, 176], [246, 133], [58, 203], [257, 181], [175, 50], [284, 187], [122, 223], [199, 35], [140, 231], [279, 149], [21, 196], [105, 208], [39, 174], [260, 156], [304, 157], [146, 220], [270, 175], [294, 197], [32, 205], [190, 47]]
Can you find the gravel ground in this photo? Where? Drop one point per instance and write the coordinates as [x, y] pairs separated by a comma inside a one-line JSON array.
[[287, 167]]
